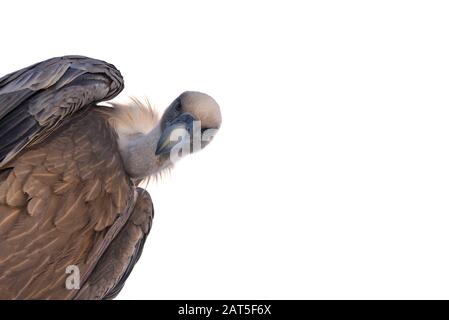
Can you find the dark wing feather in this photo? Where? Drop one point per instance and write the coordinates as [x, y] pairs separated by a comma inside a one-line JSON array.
[[115, 265], [143, 217], [132, 262], [35, 100]]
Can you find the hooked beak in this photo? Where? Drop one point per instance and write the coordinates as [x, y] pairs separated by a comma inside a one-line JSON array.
[[177, 133]]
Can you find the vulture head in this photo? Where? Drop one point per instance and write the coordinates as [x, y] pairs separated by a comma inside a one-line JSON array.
[[149, 145]]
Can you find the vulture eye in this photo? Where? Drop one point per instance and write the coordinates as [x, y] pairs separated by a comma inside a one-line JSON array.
[[178, 106]]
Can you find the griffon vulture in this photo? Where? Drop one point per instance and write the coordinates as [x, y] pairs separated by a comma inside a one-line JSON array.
[[69, 175]]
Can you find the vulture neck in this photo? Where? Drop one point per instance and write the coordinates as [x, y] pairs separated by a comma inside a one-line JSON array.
[[138, 153]]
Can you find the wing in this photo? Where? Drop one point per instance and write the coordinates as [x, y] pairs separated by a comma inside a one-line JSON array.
[[35, 100], [61, 203], [116, 264]]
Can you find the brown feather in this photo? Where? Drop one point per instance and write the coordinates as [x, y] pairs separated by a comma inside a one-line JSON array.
[[55, 210], [73, 215], [9, 217], [16, 196], [91, 189], [36, 206]]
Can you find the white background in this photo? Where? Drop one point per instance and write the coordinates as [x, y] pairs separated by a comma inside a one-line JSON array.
[[330, 175]]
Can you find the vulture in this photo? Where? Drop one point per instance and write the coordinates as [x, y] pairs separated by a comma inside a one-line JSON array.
[[73, 219]]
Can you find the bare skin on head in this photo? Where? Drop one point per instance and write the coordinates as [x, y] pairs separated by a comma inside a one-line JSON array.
[[146, 148]]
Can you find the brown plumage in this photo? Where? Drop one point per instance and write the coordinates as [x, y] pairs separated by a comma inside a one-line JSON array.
[[69, 171]]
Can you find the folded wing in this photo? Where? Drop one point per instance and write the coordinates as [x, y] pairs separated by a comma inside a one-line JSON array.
[[34, 101]]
